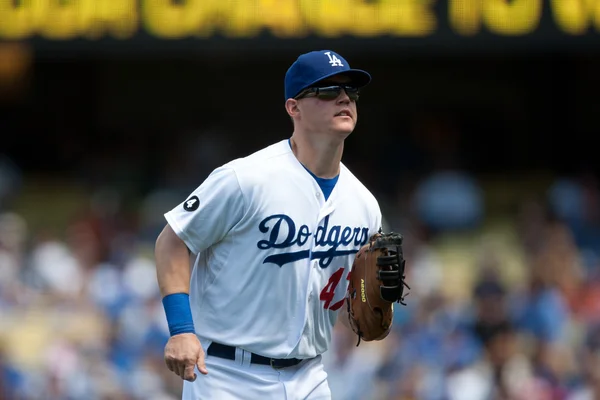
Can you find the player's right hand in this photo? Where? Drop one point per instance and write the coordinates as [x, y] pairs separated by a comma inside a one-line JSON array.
[[183, 352]]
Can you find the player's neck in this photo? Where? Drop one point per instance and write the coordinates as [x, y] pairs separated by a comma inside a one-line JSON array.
[[322, 158]]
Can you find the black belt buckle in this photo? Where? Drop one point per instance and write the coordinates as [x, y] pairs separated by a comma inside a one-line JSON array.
[[272, 362]]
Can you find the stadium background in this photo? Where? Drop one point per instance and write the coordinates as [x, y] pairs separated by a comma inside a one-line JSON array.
[[477, 134]]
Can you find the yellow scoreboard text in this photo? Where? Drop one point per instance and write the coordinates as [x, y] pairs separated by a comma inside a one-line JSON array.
[[170, 19]]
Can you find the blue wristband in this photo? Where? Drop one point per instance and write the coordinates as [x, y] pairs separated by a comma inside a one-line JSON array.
[[179, 313]]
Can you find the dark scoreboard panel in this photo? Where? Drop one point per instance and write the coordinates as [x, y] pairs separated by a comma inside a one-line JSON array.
[[242, 25]]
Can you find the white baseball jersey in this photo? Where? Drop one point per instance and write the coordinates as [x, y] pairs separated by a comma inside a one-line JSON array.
[[272, 255]]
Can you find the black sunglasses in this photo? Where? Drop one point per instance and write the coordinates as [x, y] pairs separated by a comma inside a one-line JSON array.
[[329, 92]]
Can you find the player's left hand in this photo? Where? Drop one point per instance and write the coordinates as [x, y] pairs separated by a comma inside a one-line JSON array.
[[377, 280], [183, 352]]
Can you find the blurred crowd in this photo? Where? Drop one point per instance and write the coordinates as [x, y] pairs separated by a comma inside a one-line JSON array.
[[502, 310], [509, 312], [81, 311]]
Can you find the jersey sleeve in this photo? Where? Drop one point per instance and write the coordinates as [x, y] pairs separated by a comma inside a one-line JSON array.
[[377, 220], [209, 212]]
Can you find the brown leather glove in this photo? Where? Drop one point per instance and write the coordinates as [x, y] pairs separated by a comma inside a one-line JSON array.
[[377, 281]]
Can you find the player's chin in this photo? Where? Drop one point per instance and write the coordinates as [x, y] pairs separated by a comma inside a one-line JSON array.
[[344, 126]]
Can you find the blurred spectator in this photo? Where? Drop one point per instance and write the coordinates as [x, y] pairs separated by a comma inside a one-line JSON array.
[[588, 387], [57, 268], [503, 373], [449, 200], [542, 310], [13, 237], [531, 223], [10, 181], [587, 301], [490, 309], [576, 201], [426, 269], [351, 369], [568, 201]]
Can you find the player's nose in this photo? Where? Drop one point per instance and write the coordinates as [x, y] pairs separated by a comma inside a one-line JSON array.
[[343, 98]]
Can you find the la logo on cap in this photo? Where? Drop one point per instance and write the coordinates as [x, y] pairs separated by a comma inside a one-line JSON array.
[[333, 60]]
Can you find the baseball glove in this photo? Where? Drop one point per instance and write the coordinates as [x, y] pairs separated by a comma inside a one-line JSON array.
[[377, 281]]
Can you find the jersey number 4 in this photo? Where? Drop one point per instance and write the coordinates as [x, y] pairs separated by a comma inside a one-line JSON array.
[[328, 291]]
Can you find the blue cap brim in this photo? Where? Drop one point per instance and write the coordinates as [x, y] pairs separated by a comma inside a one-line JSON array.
[[358, 78]]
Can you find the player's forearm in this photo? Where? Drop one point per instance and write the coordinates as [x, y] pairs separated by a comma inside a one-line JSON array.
[[172, 263]]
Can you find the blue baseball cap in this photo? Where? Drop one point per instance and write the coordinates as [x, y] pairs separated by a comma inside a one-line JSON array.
[[315, 66]]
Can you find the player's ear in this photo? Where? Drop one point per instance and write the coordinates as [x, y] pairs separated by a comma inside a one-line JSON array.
[[291, 106]]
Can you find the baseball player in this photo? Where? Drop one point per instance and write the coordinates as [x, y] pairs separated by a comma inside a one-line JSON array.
[[272, 237]]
